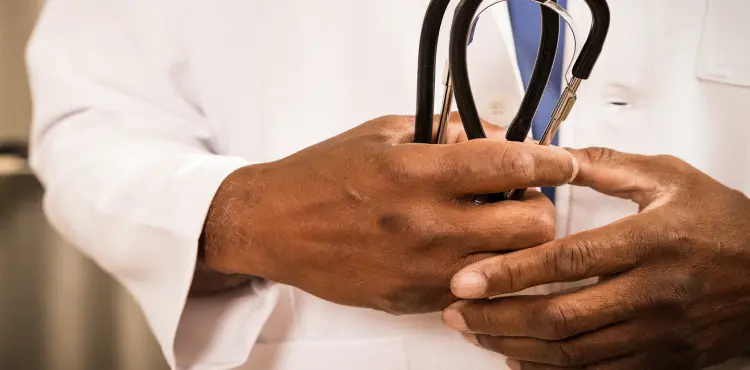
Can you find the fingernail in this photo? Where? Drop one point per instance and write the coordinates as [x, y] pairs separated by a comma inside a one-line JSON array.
[[453, 319], [576, 164], [513, 364], [576, 168], [470, 284], [471, 338], [558, 151]]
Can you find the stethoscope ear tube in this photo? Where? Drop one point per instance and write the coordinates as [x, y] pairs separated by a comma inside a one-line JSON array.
[[457, 76], [582, 69], [461, 31], [595, 42], [459, 37], [521, 125], [428, 44]]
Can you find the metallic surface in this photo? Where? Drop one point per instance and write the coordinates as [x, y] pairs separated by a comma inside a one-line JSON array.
[[564, 106], [446, 105], [17, 19], [562, 110]]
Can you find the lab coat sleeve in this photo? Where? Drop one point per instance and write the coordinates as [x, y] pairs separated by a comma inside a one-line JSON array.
[[129, 166]]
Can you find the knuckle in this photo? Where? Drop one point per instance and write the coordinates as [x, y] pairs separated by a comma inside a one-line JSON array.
[[572, 259], [668, 159], [396, 222], [400, 168], [487, 321], [382, 123], [701, 360], [414, 226], [394, 121], [569, 353], [675, 236], [545, 224], [557, 319], [657, 361], [394, 129], [599, 154], [641, 240], [675, 240], [506, 277], [433, 235], [681, 290], [517, 162], [683, 336], [672, 164]]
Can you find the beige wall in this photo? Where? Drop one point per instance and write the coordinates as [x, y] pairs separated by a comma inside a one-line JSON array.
[[58, 310], [16, 22]]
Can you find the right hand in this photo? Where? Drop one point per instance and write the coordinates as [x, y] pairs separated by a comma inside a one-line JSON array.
[[367, 219]]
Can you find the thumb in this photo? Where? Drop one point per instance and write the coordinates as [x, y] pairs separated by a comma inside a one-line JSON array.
[[629, 176]]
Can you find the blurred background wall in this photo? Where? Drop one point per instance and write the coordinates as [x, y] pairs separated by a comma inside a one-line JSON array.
[[57, 309]]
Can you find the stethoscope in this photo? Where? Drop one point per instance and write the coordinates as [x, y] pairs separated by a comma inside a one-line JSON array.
[[456, 79]]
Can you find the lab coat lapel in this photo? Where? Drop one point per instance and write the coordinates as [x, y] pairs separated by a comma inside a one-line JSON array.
[[501, 15]]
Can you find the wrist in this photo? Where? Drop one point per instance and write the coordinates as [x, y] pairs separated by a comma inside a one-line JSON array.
[[229, 243]]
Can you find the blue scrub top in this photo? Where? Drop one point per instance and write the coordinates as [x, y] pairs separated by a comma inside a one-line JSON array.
[[526, 20]]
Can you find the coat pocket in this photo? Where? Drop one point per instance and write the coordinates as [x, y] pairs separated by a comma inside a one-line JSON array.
[[370, 354], [724, 54]]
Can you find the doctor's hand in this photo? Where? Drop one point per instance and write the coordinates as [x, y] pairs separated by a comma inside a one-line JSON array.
[[368, 219], [675, 286]]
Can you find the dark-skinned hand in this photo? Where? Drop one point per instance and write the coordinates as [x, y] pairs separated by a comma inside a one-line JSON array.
[[368, 219], [675, 286]]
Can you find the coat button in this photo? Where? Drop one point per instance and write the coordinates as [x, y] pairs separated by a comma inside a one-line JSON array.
[[495, 110]]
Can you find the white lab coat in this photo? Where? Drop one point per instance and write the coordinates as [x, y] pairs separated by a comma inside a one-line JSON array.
[[142, 107]]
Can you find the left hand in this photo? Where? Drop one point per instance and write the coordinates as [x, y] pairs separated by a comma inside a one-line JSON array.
[[675, 292]]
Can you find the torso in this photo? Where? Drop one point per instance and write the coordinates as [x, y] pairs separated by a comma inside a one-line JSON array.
[[657, 101], [273, 77]]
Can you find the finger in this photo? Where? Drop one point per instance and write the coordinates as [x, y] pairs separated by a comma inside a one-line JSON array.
[[644, 360], [653, 360], [514, 364], [489, 166], [566, 316], [503, 226], [608, 250], [566, 291], [609, 343], [642, 179]]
